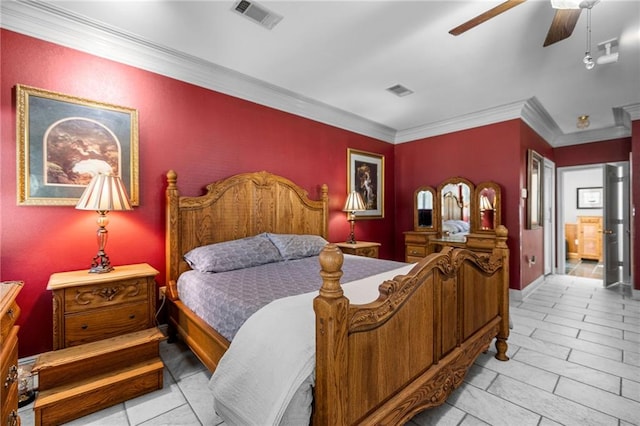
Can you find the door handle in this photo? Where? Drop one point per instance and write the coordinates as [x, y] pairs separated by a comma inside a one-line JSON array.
[[607, 232]]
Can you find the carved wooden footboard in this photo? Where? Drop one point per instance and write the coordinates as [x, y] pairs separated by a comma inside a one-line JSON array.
[[383, 362]]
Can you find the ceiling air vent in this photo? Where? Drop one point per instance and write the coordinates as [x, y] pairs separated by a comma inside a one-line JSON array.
[[399, 90], [257, 13]]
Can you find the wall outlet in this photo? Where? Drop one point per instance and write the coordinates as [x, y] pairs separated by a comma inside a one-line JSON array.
[[162, 291]]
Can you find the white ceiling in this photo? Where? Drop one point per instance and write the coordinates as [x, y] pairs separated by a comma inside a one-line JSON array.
[[333, 60]]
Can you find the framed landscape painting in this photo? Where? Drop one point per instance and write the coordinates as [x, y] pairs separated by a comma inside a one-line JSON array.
[[63, 141], [365, 174]]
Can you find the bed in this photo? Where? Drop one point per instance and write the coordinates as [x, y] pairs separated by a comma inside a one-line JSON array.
[[376, 363]]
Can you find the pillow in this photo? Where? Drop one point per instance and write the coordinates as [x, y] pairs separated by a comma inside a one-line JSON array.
[[235, 254], [293, 246]]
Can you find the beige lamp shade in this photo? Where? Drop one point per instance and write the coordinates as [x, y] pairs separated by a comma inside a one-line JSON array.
[[104, 193], [354, 203]]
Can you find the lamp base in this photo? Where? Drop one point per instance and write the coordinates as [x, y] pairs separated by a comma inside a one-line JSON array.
[[100, 264], [352, 235]]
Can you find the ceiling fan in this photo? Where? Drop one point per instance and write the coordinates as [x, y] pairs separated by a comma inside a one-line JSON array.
[[564, 21]]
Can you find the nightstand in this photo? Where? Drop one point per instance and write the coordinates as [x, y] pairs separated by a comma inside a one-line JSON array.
[[89, 307], [360, 248]]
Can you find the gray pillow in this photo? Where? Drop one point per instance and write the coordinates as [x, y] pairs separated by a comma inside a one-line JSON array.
[[293, 246], [235, 254]]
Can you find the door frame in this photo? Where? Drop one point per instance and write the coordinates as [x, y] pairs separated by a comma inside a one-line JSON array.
[[549, 216], [560, 208]]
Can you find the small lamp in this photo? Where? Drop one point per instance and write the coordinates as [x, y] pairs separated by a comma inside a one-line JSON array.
[[354, 204], [487, 212], [103, 194]]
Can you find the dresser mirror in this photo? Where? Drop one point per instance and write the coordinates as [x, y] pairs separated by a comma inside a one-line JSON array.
[[457, 207], [425, 209], [488, 200], [456, 214]]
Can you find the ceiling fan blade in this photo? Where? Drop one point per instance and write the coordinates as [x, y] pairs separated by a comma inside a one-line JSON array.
[[562, 25], [502, 7]]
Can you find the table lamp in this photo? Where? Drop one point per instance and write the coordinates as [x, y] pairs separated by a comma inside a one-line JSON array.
[[103, 194], [354, 204]]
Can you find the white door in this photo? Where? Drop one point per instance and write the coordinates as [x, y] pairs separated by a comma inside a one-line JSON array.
[[549, 196], [610, 227]]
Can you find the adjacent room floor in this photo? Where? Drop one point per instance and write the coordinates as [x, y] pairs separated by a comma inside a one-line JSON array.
[[575, 360], [585, 268]]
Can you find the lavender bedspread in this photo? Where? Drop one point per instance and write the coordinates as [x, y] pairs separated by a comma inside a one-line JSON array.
[[226, 299]]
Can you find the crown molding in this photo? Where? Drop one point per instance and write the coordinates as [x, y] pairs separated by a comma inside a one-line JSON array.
[[633, 111], [463, 122]]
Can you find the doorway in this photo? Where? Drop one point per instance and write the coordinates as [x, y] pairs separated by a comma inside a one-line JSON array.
[[593, 222]]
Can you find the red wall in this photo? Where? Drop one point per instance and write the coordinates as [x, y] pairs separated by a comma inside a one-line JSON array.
[[593, 153], [478, 154], [201, 134], [532, 240]]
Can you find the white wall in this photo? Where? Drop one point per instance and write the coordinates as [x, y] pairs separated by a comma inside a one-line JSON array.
[[574, 179]]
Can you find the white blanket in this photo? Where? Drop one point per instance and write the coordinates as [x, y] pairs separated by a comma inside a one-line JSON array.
[[269, 359]]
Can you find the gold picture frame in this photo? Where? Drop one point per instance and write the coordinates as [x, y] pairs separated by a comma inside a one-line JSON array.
[[62, 140], [365, 174]]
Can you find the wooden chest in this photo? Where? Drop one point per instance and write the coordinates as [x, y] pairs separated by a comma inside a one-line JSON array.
[[90, 307]]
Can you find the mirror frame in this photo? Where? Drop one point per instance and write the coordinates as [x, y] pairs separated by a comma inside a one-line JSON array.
[[435, 216], [534, 189], [472, 206], [497, 204]]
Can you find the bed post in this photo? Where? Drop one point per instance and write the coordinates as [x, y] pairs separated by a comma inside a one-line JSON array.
[[503, 333], [331, 309], [325, 211], [171, 231]]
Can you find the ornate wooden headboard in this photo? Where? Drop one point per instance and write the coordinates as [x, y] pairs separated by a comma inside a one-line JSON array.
[[236, 207]]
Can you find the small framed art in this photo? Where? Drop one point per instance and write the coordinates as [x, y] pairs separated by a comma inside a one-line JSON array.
[[365, 174]]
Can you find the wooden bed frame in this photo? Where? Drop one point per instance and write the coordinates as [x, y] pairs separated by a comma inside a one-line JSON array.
[[379, 363]]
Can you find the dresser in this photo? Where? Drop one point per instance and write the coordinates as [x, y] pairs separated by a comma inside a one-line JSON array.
[[9, 312], [360, 248], [89, 307], [590, 237]]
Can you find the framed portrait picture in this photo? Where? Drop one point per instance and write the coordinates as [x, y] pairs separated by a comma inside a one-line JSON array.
[[365, 174], [590, 198], [534, 190], [64, 140]]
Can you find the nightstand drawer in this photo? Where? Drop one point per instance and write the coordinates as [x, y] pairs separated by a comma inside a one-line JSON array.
[[419, 251], [104, 323], [78, 299]]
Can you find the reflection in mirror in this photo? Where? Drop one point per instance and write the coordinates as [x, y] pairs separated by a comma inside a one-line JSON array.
[[456, 208], [424, 205], [425, 209], [487, 208]]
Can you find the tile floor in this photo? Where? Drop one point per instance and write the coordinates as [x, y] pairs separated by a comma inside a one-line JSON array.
[[575, 360], [584, 268]]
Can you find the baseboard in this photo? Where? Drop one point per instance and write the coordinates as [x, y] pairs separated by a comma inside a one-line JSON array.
[[520, 295]]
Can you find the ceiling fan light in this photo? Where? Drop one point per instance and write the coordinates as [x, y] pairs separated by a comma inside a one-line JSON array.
[[566, 4]]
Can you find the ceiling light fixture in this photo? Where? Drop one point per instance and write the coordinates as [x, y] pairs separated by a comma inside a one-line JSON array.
[[588, 59], [566, 4], [583, 122], [609, 56]]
